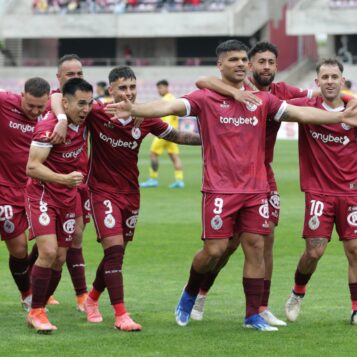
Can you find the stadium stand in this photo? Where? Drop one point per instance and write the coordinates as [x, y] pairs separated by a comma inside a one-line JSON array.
[[343, 4]]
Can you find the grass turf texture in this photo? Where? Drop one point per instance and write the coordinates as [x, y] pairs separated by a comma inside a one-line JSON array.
[[156, 268]]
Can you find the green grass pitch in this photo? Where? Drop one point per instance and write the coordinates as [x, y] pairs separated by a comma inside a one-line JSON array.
[[156, 268]]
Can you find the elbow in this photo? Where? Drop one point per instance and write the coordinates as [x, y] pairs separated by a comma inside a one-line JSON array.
[[30, 168]]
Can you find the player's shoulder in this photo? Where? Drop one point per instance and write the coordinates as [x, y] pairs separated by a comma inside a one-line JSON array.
[[306, 102], [47, 120], [10, 97]]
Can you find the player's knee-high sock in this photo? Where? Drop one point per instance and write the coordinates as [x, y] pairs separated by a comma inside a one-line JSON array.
[[33, 256], [154, 174], [179, 175], [99, 282], [76, 268], [353, 291], [253, 290], [54, 281], [266, 292], [194, 282], [40, 280], [113, 277], [301, 281], [19, 268], [208, 281]]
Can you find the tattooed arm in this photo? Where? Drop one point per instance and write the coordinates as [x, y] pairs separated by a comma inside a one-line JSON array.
[[183, 137]]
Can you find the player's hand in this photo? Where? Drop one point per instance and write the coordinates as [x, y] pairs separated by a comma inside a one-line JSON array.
[[59, 133], [247, 97], [121, 110], [349, 116], [137, 121], [74, 179]]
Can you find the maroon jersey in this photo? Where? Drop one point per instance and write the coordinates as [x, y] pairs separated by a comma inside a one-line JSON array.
[[327, 153], [282, 91], [63, 159], [16, 131], [233, 140], [115, 148], [83, 159]]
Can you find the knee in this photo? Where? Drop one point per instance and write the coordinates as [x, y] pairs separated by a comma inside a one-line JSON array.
[[19, 251], [216, 251], [352, 255], [48, 254], [59, 261], [314, 254]]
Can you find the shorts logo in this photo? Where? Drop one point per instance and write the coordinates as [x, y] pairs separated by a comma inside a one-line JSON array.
[[352, 218], [274, 200], [131, 221], [216, 222], [9, 227], [345, 126], [314, 223], [87, 205], [69, 226], [109, 221], [44, 219], [251, 107], [264, 210], [136, 133]]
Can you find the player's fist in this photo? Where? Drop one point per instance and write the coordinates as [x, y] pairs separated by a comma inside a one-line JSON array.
[[74, 179]]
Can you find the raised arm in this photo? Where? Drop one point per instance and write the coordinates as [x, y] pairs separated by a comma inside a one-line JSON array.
[[309, 115], [217, 85], [36, 169], [183, 137]]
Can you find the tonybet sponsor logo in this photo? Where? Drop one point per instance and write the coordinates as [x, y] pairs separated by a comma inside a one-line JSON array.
[[24, 128], [118, 142], [239, 121], [344, 140], [68, 155]]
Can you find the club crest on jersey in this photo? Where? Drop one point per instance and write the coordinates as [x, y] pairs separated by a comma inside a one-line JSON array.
[[44, 219], [9, 227], [136, 133], [345, 126], [264, 210], [216, 222], [87, 205], [251, 107], [131, 221], [224, 105], [314, 223], [352, 218], [274, 200], [109, 125], [109, 221], [69, 226]]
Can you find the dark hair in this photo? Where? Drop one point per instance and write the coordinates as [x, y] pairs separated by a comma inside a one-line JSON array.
[[74, 84], [261, 47], [163, 82], [329, 62], [348, 84], [121, 72], [231, 45], [69, 57], [102, 84], [37, 87]]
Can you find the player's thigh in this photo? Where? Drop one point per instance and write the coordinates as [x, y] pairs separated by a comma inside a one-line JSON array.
[[157, 146], [13, 221], [17, 246]]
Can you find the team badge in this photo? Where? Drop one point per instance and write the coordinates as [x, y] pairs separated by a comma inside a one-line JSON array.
[[264, 210], [274, 200], [314, 223], [44, 219], [9, 227], [131, 221], [216, 222], [109, 221], [352, 218], [69, 226], [87, 205], [251, 107], [346, 126], [224, 105], [136, 133]]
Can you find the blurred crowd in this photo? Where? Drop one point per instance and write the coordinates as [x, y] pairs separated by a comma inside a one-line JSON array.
[[343, 3], [121, 6]]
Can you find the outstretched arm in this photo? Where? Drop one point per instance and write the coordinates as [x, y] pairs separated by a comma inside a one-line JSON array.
[[219, 86], [183, 137]]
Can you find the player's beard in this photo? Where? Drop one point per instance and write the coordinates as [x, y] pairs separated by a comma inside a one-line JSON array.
[[262, 81]]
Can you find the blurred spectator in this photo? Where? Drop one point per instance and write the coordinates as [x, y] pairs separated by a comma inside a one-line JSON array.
[[128, 55], [102, 92], [343, 53], [347, 89]]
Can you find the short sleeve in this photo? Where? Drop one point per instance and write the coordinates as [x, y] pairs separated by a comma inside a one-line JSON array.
[[193, 102]]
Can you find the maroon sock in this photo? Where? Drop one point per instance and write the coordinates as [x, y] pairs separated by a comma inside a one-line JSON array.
[[208, 280], [301, 281], [33, 255], [19, 268], [99, 282], [40, 281], [75, 265], [266, 293], [194, 282], [113, 277], [55, 279], [253, 290], [353, 292]]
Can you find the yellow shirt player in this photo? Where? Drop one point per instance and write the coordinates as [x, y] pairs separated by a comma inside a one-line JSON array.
[[158, 146]]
